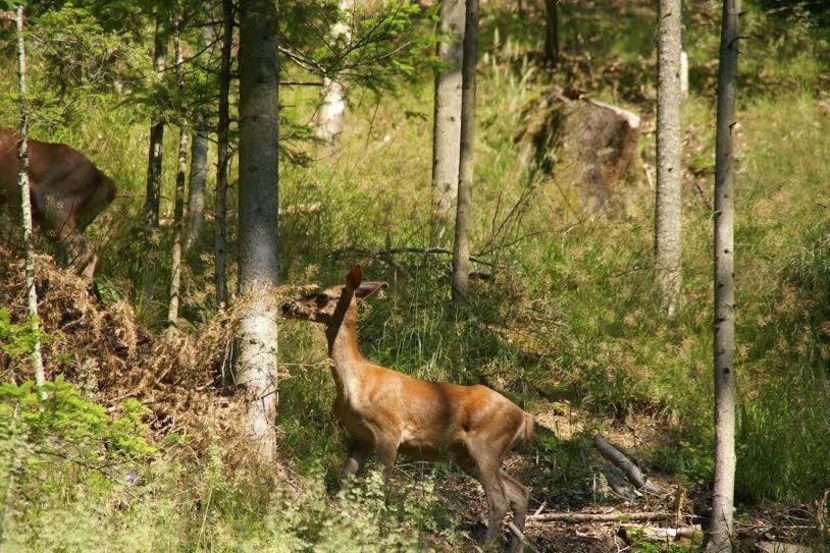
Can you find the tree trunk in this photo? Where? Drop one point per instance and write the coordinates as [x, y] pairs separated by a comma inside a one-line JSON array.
[[196, 188], [222, 131], [178, 207], [198, 162], [154, 157], [461, 251], [446, 133], [255, 367], [721, 532], [332, 109], [552, 31], [26, 204], [667, 225]]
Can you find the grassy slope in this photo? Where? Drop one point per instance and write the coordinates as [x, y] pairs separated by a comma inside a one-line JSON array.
[[571, 312]]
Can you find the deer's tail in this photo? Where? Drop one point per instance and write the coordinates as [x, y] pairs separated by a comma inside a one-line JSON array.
[[525, 432]]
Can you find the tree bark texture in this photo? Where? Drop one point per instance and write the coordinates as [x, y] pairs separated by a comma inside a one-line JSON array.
[[255, 368], [196, 187], [178, 207], [667, 220], [178, 231], [222, 132], [198, 161], [26, 203], [461, 251], [721, 532], [552, 31], [446, 133], [154, 157]]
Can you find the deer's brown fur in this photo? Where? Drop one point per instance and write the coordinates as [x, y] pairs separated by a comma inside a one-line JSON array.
[[67, 192], [390, 412]]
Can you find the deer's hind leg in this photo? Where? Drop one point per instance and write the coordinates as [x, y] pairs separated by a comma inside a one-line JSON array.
[[487, 472], [518, 495]]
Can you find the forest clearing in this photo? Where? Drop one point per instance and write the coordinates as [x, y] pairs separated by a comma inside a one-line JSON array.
[[452, 275]]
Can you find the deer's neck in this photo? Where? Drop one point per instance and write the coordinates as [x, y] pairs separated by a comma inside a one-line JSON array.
[[345, 353]]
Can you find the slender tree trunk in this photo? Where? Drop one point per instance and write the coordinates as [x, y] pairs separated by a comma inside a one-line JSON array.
[[178, 206], [198, 161], [196, 188], [154, 157], [461, 251], [667, 226], [255, 367], [446, 133], [721, 531], [26, 203], [332, 111], [552, 31], [222, 131]]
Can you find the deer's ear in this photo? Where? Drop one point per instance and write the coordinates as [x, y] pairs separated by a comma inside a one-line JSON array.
[[368, 288], [354, 278]]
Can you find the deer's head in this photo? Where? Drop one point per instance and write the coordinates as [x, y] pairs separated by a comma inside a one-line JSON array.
[[329, 305]]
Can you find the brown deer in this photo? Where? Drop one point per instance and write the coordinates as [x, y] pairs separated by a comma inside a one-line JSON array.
[[67, 191], [390, 412]]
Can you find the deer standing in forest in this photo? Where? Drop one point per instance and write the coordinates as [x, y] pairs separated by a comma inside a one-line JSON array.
[[67, 192], [390, 412]]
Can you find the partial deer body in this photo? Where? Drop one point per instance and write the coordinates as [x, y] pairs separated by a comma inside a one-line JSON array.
[[67, 191], [390, 412]]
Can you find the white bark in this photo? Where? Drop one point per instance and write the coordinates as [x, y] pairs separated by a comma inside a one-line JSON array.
[[684, 73], [667, 226], [332, 111], [154, 156], [446, 133], [26, 204], [178, 207], [461, 251], [255, 368], [721, 531]]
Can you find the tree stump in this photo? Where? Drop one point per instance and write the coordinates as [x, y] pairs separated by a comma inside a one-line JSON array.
[[585, 145]]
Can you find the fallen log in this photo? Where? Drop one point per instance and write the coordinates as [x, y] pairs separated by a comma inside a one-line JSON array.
[[692, 532], [619, 459], [599, 517]]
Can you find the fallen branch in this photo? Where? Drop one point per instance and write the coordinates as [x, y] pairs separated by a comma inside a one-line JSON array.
[[623, 463], [519, 534], [667, 534], [599, 517], [394, 251]]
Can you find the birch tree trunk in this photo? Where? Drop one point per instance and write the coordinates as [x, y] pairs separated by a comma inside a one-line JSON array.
[[552, 31], [721, 531], [667, 220], [332, 111], [255, 368], [446, 133], [154, 156], [461, 251], [222, 131], [26, 203], [178, 206]]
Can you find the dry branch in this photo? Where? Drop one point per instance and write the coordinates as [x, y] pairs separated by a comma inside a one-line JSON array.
[[624, 463], [693, 531], [599, 517]]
